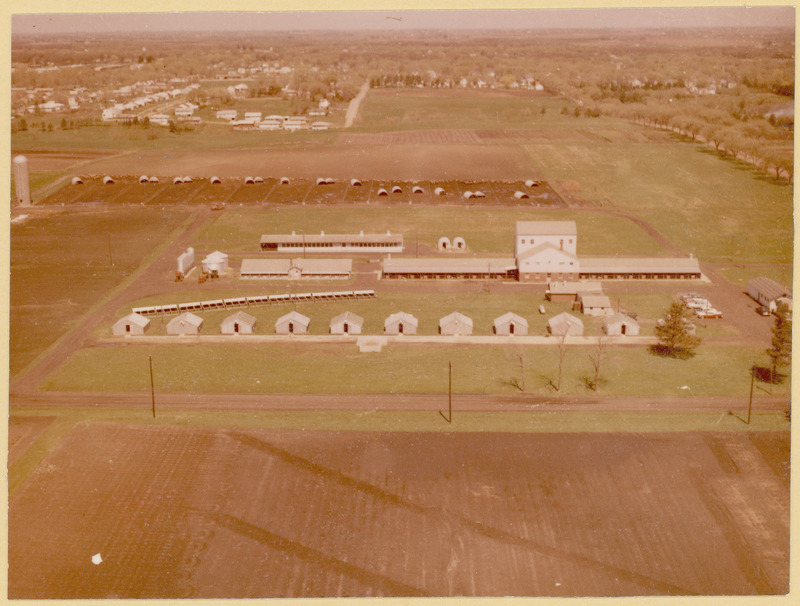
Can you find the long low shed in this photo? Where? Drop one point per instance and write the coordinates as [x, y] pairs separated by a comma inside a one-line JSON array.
[[639, 268], [472, 268], [329, 243], [276, 269]]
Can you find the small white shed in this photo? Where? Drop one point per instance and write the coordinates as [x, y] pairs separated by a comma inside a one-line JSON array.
[[293, 323], [565, 324], [239, 323], [132, 324], [400, 324], [185, 324], [347, 323], [510, 324], [620, 325], [455, 324]]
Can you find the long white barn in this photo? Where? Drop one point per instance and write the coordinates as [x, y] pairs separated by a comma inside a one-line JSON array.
[[333, 243]]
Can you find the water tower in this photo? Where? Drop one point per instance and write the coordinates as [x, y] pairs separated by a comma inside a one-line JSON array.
[[22, 182]]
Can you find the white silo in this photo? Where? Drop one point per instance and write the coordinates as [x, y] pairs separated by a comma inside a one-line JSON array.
[[22, 181]]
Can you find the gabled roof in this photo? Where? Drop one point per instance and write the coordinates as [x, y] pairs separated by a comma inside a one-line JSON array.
[[242, 318], [134, 318], [595, 301], [216, 256], [455, 317], [769, 288], [294, 316], [564, 318], [401, 317], [510, 317], [348, 317], [540, 248], [187, 318], [619, 318]]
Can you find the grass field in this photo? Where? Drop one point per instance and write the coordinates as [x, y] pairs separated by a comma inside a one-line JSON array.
[[681, 190], [485, 230], [62, 265], [400, 368]]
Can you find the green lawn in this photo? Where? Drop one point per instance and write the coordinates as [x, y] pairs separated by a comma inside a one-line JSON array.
[[319, 368], [703, 204], [486, 230]]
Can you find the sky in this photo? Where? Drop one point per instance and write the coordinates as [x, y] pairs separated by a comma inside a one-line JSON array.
[[402, 20]]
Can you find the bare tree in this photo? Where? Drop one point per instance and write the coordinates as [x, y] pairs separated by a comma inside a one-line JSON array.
[[562, 352], [597, 355]]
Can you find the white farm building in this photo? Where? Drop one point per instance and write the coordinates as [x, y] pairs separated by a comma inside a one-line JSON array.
[[132, 324], [565, 324], [455, 324], [347, 323], [293, 323], [185, 324], [239, 323], [769, 293], [400, 324], [510, 324]]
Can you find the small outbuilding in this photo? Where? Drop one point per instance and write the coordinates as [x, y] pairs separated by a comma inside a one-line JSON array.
[[417, 190], [397, 189], [596, 305], [620, 325], [565, 324], [444, 243], [355, 182], [185, 324], [216, 261], [347, 323], [439, 191], [215, 180], [239, 323], [510, 324], [144, 179], [400, 324], [153, 179], [108, 180], [132, 324], [531, 183], [382, 192], [769, 293], [519, 195], [455, 324], [249, 180], [284, 180], [293, 323], [177, 180], [459, 243], [77, 181]]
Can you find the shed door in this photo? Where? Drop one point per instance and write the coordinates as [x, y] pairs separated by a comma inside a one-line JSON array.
[[346, 328], [291, 327], [400, 328], [236, 327], [511, 328], [622, 330], [127, 328]]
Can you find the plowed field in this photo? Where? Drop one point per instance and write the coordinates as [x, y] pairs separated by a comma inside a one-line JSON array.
[[200, 512]]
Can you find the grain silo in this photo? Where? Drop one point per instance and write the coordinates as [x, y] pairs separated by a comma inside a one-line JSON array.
[[22, 181]]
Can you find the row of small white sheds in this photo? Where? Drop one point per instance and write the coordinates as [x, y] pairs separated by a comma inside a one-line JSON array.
[[565, 324], [400, 323]]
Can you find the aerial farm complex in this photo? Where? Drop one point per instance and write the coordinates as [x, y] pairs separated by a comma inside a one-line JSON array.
[[394, 314]]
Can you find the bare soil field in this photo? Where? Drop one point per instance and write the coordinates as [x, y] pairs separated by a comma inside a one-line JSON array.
[[408, 161], [59, 160], [22, 432], [208, 513]]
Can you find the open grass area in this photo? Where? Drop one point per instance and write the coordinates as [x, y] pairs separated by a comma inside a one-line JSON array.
[[341, 369], [486, 230], [53, 285], [410, 109], [683, 190]]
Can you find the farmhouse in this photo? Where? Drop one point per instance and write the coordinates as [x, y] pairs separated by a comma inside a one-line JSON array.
[[347, 323], [132, 324], [595, 305], [620, 325], [239, 323], [455, 324], [185, 324], [295, 269], [331, 243], [400, 324], [510, 324], [546, 250], [435, 268], [293, 323], [769, 293], [565, 324]]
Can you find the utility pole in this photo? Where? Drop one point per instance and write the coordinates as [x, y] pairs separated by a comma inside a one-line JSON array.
[[752, 383], [449, 417], [152, 387]]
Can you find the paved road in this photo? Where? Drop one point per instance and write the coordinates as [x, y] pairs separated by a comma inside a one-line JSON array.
[[406, 402]]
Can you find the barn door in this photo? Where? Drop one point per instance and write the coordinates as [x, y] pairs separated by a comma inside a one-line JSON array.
[[291, 327], [236, 327], [511, 328], [346, 328], [400, 328]]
